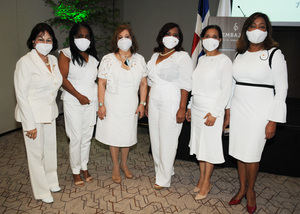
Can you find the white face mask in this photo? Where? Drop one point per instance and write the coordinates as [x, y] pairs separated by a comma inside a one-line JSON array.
[[124, 44], [82, 43], [210, 44], [43, 48], [256, 36], [170, 42]]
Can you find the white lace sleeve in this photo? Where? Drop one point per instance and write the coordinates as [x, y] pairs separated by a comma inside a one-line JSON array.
[[104, 68]]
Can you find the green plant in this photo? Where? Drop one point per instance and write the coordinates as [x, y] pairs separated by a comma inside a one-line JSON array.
[[100, 14]]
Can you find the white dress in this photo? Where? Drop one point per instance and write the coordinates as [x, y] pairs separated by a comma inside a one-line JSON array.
[[211, 90], [119, 127], [252, 107], [166, 80]]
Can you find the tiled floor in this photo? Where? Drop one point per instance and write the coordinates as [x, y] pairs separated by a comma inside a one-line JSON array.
[[275, 194]]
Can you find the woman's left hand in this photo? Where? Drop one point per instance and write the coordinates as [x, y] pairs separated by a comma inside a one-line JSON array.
[[140, 111], [270, 129], [210, 120], [32, 134], [180, 116]]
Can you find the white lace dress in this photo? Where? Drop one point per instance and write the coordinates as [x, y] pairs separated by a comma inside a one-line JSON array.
[[119, 127]]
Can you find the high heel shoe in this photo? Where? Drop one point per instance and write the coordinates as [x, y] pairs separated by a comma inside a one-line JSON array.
[[200, 197], [196, 189], [116, 179], [77, 180], [157, 187], [235, 201], [127, 173], [251, 210], [86, 175]]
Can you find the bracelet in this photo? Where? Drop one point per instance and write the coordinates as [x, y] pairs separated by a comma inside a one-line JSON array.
[[100, 104], [143, 103]]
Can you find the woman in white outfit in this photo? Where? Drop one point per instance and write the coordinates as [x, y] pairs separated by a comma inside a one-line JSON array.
[[37, 80], [78, 66], [122, 75], [258, 69], [211, 90], [170, 80]]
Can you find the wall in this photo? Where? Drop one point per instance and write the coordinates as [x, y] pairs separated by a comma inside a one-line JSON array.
[[147, 17], [17, 18], [288, 38]]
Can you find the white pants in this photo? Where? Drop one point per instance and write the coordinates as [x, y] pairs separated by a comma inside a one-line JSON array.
[[42, 160], [79, 123], [164, 133]]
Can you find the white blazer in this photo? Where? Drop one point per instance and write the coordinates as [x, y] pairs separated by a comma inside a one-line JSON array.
[[36, 90]]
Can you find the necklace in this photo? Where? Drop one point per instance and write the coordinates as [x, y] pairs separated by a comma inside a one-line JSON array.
[[124, 56], [165, 54], [47, 61]]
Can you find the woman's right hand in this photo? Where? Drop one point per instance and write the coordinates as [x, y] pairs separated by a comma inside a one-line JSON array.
[[83, 100], [102, 112], [32, 134], [188, 115], [146, 110], [226, 119]]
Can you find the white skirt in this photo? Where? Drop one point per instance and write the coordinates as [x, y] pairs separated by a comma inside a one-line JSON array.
[[119, 127], [248, 119], [206, 141]]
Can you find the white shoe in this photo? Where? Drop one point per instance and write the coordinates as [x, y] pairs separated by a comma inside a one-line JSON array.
[[55, 189], [48, 200]]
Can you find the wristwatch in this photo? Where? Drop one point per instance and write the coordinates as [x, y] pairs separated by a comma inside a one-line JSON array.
[[100, 104], [143, 103]]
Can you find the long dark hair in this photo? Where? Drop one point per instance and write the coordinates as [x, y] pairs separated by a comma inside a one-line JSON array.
[[243, 43], [41, 28], [163, 31], [76, 56]]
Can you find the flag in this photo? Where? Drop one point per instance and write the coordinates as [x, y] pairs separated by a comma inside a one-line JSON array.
[[224, 8], [202, 21]]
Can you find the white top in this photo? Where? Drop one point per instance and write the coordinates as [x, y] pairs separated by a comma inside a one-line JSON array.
[[176, 69], [109, 69], [36, 90], [260, 73], [83, 78], [211, 86]]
